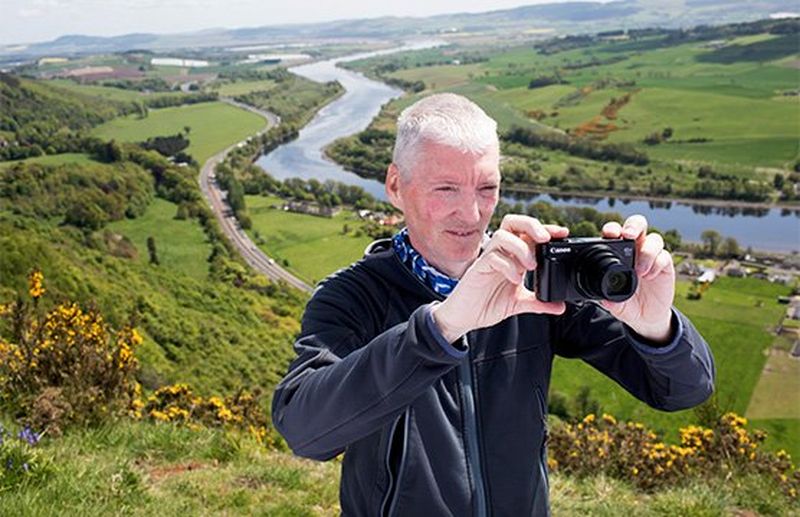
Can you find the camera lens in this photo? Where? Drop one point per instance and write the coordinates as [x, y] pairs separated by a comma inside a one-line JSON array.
[[618, 282], [602, 275]]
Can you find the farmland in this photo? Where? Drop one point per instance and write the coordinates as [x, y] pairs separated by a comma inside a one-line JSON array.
[[711, 118], [213, 125]]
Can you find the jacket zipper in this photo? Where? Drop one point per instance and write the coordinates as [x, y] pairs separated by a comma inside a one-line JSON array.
[[471, 436], [391, 493], [542, 466], [471, 446]]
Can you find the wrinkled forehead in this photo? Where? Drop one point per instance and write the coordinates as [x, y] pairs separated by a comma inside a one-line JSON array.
[[443, 163]]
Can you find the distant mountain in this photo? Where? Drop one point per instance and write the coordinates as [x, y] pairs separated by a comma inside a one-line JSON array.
[[562, 18]]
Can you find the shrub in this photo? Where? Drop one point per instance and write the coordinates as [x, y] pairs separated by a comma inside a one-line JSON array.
[[629, 451], [65, 365], [178, 404]]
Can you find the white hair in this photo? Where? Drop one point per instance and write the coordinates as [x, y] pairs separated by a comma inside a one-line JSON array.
[[446, 119]]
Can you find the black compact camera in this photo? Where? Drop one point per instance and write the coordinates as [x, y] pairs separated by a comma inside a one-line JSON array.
[[584, 268]]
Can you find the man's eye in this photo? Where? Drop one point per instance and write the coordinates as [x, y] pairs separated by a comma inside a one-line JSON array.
[[489, 188], [445, 189]]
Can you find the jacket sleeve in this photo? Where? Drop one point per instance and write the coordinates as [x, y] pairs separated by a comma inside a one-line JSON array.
[[676, 376], [350, 376]]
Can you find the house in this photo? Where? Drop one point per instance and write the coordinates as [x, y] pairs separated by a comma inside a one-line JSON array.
[[391, 220], [736, 272], [306, 207], [689, 268], [708, 277]]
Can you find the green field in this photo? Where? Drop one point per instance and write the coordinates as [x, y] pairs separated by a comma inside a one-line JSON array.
[[52, 159], [241, 87], [730, 95], [777, 394], [214, 126], [180, 244], [314, 246], [108, 92], [739, 346]]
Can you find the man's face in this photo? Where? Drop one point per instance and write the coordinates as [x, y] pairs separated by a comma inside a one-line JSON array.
[[447, 202]]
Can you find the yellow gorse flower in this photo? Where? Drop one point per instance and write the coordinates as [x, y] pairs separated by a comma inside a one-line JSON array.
[[35, 287]]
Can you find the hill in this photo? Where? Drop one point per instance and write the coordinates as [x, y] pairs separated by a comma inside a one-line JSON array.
[[555, 18]]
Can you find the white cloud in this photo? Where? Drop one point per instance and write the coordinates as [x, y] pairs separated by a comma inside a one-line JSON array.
[[27, 12]]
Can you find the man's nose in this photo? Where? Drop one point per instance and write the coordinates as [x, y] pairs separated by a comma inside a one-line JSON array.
[[469, 208]]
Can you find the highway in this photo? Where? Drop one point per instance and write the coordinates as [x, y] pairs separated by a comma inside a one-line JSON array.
[[216, 198]]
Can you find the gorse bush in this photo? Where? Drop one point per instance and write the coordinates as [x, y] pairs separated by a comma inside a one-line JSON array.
[[65, 365], [630, 451], [178, 404]]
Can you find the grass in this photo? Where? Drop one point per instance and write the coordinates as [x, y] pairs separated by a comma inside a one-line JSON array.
[[730, 95], [108, 92], [207, 333], [241, 87], [314, 246], [777, 394], [738, 343], [141, 468], [151, 469], [214, 126], [180, 245], [53, 159]]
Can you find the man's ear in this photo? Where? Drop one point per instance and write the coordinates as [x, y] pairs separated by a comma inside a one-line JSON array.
[[392, 186]]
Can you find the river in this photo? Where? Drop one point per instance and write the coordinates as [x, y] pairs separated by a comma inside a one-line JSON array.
[[771, 229]]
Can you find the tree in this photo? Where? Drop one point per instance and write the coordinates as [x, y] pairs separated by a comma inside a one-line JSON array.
[[584, 229], [711, 241], [585, 404], [778, 181], [672, 239], [730, 248], [151, 249]]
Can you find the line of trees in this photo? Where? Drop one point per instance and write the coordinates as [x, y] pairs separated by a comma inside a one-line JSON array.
[[623, 153]]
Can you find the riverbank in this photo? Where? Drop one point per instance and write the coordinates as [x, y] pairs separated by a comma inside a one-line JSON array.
[[720, 203]]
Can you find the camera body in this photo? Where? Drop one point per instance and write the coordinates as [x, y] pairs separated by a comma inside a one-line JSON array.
[[584, 268]]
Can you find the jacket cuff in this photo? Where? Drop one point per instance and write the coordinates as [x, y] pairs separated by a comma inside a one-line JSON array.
[[457, 349], [645, 346]]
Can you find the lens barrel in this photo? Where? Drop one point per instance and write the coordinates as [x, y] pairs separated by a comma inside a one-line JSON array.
[[600, 274]]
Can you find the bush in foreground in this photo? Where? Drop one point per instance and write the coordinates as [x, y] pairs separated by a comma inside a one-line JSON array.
[[630, 452]]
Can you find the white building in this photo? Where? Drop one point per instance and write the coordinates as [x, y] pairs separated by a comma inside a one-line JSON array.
[[176, 61]]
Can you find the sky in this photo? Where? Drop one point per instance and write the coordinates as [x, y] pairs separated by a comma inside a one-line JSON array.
[[27, 21]]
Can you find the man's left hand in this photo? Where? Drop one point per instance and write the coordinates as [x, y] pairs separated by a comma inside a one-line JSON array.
[[649, 310]]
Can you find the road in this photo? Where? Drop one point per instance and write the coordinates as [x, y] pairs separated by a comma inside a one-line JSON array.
[[216, 198]]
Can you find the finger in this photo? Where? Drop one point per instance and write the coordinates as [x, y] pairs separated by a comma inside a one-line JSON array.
[[612, 230], [635, 227], [556, 231], [514, 246], [526, 301], [523, 224], [506, 266], [662, 263], [650, 248], [615, 308]]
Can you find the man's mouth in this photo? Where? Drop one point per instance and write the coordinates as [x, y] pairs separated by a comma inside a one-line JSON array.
[[459, 233]]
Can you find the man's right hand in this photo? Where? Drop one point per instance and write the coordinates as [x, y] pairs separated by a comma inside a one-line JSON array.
[[492, 289]]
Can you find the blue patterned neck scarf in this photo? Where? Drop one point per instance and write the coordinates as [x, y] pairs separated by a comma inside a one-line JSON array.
[[430, 276]]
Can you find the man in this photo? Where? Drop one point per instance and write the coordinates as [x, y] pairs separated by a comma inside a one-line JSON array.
[[427, 362]]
